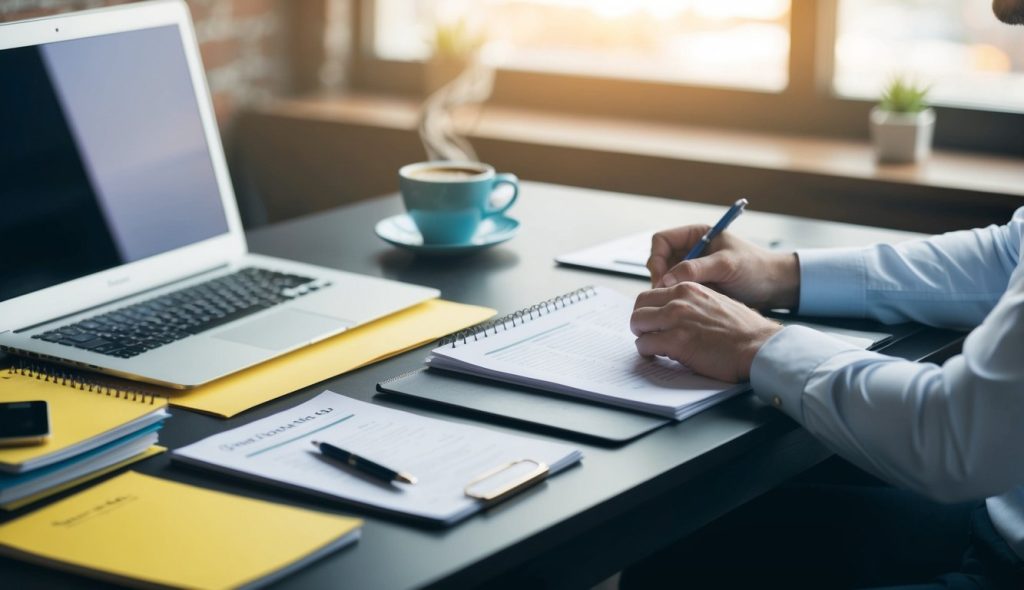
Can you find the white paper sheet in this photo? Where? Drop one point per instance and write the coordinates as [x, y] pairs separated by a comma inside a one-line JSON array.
[[444, 456], [628, 255]]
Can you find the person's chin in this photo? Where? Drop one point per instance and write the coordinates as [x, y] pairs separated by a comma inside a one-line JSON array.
[[1010, 12]]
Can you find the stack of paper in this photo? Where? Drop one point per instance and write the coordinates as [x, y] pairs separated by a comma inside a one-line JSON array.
[[92, 431]]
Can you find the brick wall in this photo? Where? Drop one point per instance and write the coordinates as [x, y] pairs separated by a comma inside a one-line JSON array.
[[242, 43]]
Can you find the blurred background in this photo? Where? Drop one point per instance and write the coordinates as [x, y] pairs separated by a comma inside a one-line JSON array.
[[955, 45], [243, 45], [320, 101]]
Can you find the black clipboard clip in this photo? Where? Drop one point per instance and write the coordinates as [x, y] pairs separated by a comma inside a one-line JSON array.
[[506, 480]]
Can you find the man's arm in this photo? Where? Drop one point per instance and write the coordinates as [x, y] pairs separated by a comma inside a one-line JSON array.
[[952, 280], [952, 432]]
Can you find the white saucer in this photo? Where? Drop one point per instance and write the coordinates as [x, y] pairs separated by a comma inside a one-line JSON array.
[[401, 231]]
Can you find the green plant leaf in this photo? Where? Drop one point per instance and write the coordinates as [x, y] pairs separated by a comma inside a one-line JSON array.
[[456, 39], [904, 96]]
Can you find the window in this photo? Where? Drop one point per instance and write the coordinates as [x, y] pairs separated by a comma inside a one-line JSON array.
[[784, 66], [735, 43], [955, 46]]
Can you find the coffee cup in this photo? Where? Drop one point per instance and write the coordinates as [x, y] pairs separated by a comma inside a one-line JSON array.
[[448, 200]]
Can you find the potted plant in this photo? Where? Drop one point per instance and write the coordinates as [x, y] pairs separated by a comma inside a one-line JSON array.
[[455, 44], [902, 124]]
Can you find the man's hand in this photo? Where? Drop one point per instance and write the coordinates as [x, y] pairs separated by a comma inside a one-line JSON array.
[[708, 332], [733, 266]]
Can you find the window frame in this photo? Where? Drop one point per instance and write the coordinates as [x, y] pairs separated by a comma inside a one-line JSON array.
[[807, 106]]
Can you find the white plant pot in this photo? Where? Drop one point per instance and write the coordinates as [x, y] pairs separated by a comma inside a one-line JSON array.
[[902, 137]]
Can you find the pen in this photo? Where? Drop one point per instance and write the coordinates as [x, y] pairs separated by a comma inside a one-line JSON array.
[[728, 218], [363, 464]]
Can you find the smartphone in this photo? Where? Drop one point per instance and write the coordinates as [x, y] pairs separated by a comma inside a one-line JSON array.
[[24, 423]]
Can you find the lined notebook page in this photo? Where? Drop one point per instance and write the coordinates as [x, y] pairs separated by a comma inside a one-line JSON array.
[[584, 348]]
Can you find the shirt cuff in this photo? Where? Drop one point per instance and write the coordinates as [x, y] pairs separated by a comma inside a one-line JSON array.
[[833, 282], [782, 367]]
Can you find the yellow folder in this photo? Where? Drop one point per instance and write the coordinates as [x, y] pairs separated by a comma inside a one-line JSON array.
[[345, 352], [145, 531]]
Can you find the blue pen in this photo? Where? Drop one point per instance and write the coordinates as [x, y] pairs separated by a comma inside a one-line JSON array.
[[723, 223]]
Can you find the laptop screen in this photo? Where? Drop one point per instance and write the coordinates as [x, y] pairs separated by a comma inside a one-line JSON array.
[[103, 159]]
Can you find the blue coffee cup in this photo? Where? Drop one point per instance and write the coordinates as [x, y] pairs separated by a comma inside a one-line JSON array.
[[448, 200]]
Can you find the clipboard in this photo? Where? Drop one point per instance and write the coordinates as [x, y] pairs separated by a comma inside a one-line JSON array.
[[461, 469], [521, 406]]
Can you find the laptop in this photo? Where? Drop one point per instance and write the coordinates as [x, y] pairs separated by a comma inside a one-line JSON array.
[[122, 247]]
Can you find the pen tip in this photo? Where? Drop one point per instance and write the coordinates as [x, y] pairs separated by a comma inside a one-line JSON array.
[[407, 478], [316, 443]]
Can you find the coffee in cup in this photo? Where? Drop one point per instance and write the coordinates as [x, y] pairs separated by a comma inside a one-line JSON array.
[[448, 200], [444, 173]]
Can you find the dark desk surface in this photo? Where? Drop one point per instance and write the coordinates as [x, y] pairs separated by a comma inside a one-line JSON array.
[[586, 523]]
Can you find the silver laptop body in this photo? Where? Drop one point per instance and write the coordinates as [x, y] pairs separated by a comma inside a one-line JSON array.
[[117, 203]]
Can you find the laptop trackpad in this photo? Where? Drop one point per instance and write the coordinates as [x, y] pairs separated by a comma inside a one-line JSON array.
[[283, 329]]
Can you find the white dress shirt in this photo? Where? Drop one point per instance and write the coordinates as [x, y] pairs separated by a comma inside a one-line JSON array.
[[952, 432]]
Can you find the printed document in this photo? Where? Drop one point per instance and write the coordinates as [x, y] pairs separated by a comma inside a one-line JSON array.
[[443, 456]]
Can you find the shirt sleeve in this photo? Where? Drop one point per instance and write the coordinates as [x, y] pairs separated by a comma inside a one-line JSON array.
[[952, 280], [952, 432]]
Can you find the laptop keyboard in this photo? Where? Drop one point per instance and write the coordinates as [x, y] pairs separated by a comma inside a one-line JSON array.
[[134, 329]]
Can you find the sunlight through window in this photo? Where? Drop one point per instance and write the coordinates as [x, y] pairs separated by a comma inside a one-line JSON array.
[[736, 44], [955, 46]]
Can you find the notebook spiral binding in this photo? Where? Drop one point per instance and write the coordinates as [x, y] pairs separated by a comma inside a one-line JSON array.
[[75, 380], [517, 317]]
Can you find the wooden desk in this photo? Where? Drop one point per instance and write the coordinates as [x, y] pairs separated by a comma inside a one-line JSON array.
[[581, 526]]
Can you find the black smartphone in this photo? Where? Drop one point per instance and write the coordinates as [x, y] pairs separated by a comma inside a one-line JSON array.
[[24, 423]]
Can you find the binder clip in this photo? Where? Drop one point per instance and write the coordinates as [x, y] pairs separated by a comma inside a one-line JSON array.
[[506, 480]]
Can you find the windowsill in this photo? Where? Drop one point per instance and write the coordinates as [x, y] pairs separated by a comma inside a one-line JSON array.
[[808, 155]]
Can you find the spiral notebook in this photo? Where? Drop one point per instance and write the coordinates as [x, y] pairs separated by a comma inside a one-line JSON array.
[[579, 344], [84, 414]]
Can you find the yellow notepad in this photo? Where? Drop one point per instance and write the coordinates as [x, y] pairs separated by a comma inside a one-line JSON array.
[[82, 416], [141, 530], [345, 352]]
